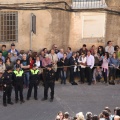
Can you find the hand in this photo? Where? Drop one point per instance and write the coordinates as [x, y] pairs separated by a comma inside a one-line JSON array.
[[5, 85]]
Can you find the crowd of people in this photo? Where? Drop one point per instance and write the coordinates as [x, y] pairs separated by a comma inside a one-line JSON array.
[[26, 69], [106, 114]]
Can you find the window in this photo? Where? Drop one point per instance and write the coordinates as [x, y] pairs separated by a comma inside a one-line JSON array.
[[93, 26], [8, 26], [88, 4]]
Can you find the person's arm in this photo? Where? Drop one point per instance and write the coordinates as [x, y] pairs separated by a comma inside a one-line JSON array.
[[25, 67], [94, 74], [92, 62]]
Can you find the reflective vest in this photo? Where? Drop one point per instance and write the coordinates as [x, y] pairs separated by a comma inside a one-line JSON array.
[[18, 73], [34, 72]]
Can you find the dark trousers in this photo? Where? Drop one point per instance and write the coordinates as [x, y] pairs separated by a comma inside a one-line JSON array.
[[105, 71], [19, 89], [72, 75], [31, 85], [50, 85], [82, 75], [112, 73], [7, 94], [89, 75]]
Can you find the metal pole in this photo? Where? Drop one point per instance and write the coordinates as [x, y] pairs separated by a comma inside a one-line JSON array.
[[31, 33]]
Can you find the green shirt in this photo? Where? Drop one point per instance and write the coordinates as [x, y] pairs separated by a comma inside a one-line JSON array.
[[4, 53]]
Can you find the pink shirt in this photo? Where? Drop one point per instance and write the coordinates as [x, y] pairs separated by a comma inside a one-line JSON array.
[[46, 62]]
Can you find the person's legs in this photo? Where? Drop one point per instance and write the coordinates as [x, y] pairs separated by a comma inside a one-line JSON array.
[[21, 92], [52, 90], [46, 91], [9, 94], [29, 90], [35, 91], [16, 93]]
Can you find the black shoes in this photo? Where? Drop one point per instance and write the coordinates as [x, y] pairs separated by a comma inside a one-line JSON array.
[[43, 99], [36, 98], [22, 101], [11, 103], [4, 104], [51, 100]]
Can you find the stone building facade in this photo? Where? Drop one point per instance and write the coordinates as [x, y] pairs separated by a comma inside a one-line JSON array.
[[62, 27]]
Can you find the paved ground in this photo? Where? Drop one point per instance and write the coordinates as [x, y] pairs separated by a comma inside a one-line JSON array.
[[67, 98]]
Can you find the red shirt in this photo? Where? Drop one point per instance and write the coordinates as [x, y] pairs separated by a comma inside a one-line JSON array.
[[31, 63]]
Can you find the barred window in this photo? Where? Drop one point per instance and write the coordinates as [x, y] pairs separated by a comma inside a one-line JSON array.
[[8, 26]]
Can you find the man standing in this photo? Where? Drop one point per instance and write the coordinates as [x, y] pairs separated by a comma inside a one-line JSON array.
[[25, 65], [18, 80], [34, 81], [49, 83], [69, 52], [109, 48], [7, 86], [90, 65]]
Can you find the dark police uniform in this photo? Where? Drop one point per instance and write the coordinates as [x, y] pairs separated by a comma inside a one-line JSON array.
[[49, 83], [7, 87], [18, 81], [34, 81]]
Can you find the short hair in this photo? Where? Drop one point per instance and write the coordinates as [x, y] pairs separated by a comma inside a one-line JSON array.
[[69, 48], [108, 42], [4, 46], [84, 45], [80, 116], [73, 53]]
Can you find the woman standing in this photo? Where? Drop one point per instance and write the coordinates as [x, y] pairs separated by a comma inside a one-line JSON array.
[[105, 63], [8, 63], [114, 64]]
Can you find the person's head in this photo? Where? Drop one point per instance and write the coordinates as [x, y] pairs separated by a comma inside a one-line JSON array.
[[69, 49], [1, 61], [30, 58], [22, 52], [105, 114], [93, 47], [117, 111], [95, 117], [109, 43], [106, 55], [15, 54], [84, 46], [88, 115], [17, 67], [30, 52], [3, 47], [74, 54], [18, 61], [45, 50], [114, 55], [66, 115], [49, 67], [9, 55], [57, 117], [7, 60], [42, 53], [65, 55], [12, 46], [54, 46], [34, 66], [37, 58], [24, 56], [80, 116], [61, 50], [52, 51], [46, 56], [116, 117], [98, 68], [88, 53], [9, 69], [95, 51], [83, 54], [61, 115]]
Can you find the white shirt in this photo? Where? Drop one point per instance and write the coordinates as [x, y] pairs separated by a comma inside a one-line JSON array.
[[37, 64], [90, 61], [109, 49], [83, 60]]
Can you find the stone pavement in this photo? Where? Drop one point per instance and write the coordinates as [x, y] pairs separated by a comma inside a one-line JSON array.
[[67, 98]]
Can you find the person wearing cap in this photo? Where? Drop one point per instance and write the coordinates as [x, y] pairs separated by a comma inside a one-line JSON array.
[[12, 50], [18, 80], [66, 116], [34, 81], [49, 83], [7, 83]]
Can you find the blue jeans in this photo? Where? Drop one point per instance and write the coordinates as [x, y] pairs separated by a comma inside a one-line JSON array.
[[26, 78], [63, 75]]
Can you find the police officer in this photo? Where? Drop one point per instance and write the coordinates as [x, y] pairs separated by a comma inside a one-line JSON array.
[[49, 82], [7, 86], [18, 81], [34, 81]]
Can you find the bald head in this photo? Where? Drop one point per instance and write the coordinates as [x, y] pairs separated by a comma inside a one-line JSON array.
[[117, 117]]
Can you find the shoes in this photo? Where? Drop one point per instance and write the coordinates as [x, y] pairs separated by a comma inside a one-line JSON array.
[[89, 83], [51, 100], [22, 101], [36, 98], [43, 99], [4, 104], [11, 103], [28, 99], [16, 101]]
